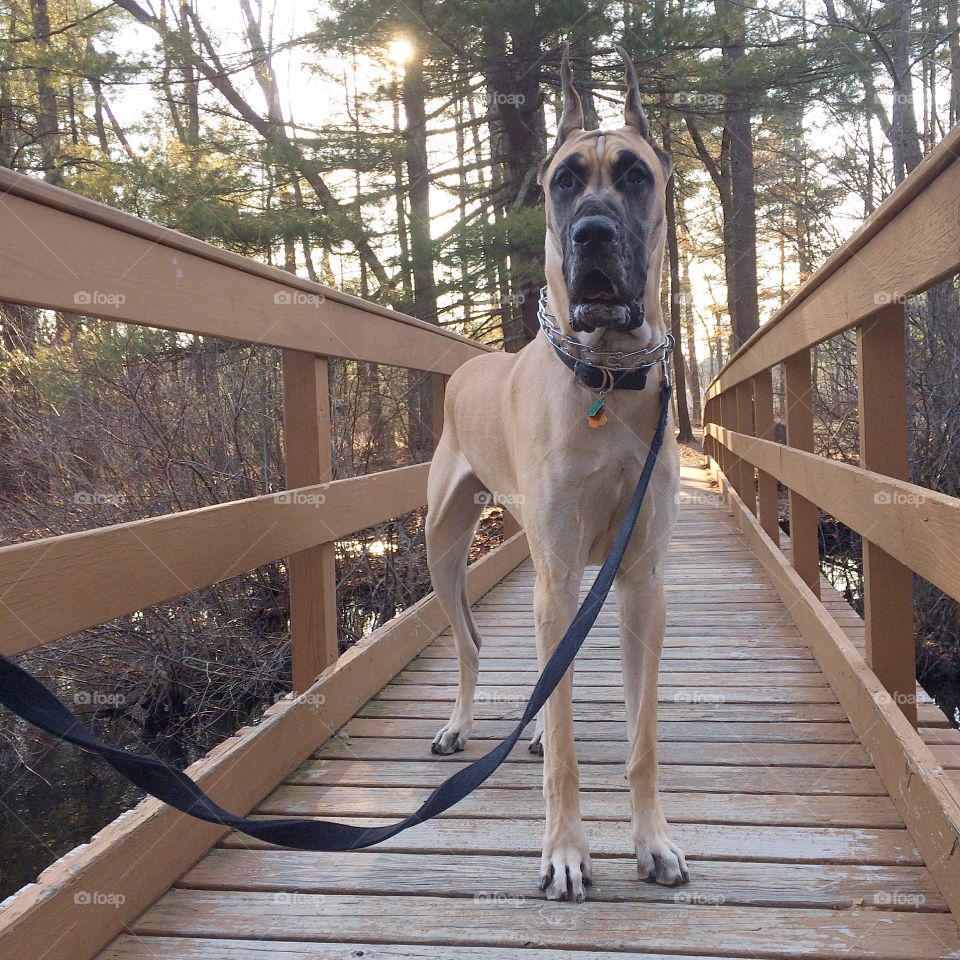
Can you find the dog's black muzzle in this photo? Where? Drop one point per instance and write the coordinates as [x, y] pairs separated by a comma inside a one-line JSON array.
[[604, 281]]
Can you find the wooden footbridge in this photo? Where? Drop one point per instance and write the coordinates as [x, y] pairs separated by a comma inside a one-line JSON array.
[[815, 789]]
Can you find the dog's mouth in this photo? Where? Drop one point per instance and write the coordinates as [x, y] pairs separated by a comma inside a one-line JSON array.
[[597, 286], [597, 302]]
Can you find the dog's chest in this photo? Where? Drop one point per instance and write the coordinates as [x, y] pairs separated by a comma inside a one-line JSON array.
[[603, 483]]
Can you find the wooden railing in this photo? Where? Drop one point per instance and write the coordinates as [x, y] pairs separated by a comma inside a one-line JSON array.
[[911, 243], [66, 253]]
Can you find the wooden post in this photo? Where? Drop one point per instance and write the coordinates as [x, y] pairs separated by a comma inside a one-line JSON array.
[[714, 417], [888, 585], [312, 573], [736, 468], [439, 388], [725, 420], [718, 420], [510, 524], [704, 422], [804, 536], [766, 484], [745, 425], [732, 469]]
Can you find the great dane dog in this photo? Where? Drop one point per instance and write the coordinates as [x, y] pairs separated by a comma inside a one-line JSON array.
[[516, 426]]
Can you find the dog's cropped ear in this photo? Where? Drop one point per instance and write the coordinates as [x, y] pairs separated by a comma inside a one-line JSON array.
[[633, 115], [571, 119]]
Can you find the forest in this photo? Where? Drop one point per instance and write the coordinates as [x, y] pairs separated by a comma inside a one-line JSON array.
[[392, 150]]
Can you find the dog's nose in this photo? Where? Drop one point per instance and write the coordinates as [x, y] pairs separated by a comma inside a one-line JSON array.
[[595, 229]]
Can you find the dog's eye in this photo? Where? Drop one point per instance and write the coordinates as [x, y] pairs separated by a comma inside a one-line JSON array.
[[636, 175], [564, 179]]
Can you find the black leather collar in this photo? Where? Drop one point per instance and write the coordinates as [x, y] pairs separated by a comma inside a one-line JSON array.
[[596, 378]]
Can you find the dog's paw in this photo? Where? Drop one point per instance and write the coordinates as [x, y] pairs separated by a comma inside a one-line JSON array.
[[566, 871], [661, 861], [536, 744], [450, 739]]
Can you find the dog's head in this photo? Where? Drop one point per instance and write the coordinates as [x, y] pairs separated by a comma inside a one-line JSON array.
[[605, 199]]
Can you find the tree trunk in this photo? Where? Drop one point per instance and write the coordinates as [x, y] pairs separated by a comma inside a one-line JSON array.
[[801, 222], [685, 431], [400, 192], [905, 137], [740, 240], [418, 176], [421, 241], [190, 93], [8, 142], [48, 129], [693, 366], [463, 187], [581, 55], [510, 325], [953, 32], [514, 83]]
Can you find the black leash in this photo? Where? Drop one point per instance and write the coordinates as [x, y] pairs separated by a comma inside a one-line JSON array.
[[31, 701]]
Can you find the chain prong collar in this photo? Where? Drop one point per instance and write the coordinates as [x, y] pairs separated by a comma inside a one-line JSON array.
[[608, 361]]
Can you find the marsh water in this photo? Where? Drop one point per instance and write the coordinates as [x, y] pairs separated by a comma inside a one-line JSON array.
[[53, 797]]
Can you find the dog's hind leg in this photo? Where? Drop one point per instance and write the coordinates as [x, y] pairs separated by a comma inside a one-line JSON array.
[[454, 504], [536, 742]]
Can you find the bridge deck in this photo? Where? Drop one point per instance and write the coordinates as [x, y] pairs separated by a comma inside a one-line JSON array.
[[794, 846]]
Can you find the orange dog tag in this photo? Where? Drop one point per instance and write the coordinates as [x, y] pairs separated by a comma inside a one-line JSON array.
[[596, 413], [597, 419]]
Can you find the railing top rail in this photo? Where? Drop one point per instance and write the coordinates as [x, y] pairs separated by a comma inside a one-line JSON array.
[[29, 188], [932, 166]]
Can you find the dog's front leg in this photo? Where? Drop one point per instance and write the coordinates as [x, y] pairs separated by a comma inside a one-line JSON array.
[[565, 867], [642, 610]]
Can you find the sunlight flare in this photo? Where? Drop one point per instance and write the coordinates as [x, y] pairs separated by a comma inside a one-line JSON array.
[[400, 50]]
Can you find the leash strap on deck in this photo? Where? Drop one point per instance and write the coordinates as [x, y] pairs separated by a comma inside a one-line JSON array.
[[30, 700]]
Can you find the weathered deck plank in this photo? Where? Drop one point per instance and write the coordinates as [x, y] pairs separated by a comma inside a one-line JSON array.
[[705, 778], [831, 886], [486, 920]]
